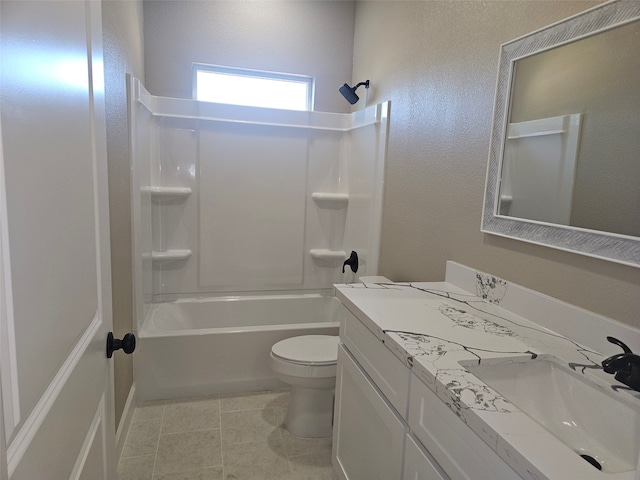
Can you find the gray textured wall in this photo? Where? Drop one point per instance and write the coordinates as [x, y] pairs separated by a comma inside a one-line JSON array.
[[309, 38], [437, 62]]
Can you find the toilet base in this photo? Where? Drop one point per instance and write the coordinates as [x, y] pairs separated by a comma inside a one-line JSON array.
[[310, 412]]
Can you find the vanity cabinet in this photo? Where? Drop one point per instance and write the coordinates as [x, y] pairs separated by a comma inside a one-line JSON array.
[[388, 425], [458, 450], [369, 435]]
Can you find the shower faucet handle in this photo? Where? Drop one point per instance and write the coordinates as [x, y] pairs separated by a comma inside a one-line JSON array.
[[352, 261]]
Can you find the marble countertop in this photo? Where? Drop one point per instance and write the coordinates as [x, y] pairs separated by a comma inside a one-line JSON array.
[[437, 329]]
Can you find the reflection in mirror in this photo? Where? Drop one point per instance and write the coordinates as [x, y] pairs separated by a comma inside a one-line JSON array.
[[564, 163], [572, 142]]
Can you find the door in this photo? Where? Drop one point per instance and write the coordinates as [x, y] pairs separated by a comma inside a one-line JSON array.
[[55, 295]]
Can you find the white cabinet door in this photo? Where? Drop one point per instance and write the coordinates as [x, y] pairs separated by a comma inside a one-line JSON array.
[[418, 465], [368, 436], [57, 406]]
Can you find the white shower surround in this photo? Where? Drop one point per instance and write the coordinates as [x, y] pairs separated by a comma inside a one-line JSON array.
[[208, 180]]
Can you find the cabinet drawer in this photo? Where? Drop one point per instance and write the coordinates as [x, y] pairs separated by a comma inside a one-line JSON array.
[[418, 464], [456, 448], [368, 435], [390, 375]]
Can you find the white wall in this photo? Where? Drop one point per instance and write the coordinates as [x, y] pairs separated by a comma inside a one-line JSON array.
[[437, 62], [303, 37]]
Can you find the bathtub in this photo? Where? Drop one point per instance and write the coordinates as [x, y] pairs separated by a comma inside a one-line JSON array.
[[205, 346]]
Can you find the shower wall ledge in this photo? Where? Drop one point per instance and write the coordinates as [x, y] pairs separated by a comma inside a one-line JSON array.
[[332, 201], [170, 255], [160, 193], [218, 112]]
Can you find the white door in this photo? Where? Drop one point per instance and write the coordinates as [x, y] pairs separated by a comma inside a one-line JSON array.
[[55, 295]]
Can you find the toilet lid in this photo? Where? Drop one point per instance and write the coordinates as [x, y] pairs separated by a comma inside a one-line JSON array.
[[308, 349]]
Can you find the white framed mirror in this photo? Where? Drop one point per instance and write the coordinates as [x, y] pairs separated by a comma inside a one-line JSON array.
[[564, 161]]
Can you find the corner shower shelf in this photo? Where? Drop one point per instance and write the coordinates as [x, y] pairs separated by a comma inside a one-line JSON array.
[[161, 193], [167, 255], [331, 200], [506, 199], [325, 255]]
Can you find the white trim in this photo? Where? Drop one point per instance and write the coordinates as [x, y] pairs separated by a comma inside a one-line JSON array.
[[95, 146], [125, 421], [3, 205], [3, 444], [239, 114], [32, 424], [8, 358], [265, 123], [96, 423]]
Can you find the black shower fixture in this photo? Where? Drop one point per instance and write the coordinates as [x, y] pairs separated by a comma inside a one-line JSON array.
[[350, 92]]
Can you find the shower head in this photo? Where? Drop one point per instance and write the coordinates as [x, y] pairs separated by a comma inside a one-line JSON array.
[[350, 92]]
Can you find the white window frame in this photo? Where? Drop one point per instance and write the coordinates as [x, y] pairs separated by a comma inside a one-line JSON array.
[[245, 72]]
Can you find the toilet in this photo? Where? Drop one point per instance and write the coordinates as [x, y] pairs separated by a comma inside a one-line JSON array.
[[308, 364]]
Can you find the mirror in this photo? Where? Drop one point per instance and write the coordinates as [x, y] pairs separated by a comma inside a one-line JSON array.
[[564, 162]]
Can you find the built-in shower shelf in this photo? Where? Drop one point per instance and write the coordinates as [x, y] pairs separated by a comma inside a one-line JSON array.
[[331, 200], [506, 199], [168, 255], [328, 256], [166, 193]]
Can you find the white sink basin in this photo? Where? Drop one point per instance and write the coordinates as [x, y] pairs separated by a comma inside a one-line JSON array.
[[587, 419]]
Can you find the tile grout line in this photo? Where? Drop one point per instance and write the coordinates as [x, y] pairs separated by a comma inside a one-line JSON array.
[[282, 416], [125, 443], [220, 427], [192, 431], [155, 457]]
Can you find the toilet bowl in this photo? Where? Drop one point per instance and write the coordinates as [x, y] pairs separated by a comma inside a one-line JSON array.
[[308, 364]]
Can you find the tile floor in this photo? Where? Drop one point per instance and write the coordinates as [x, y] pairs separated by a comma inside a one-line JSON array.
[[222, 437]]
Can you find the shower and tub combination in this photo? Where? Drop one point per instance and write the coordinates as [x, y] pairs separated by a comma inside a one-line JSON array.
[[242, 220]]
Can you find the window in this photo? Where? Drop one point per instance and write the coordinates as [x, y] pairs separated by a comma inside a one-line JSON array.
[[254, 88]]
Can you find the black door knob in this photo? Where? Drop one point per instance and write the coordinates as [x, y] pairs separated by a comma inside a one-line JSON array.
[[127, 344]]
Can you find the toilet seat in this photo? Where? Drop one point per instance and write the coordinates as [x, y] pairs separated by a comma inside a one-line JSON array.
[[308, 350]]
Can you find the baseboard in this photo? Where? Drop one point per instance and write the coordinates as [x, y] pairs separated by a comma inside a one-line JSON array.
[[153, 392], [125, 421]]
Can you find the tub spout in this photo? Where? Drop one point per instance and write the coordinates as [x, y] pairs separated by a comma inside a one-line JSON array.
[[352, 261]]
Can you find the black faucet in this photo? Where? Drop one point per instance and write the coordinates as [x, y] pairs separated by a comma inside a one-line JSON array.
[[626, 365], [352, 261]]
